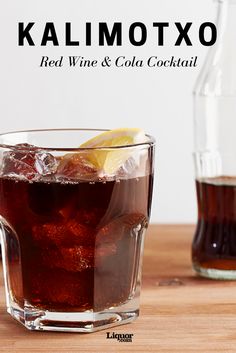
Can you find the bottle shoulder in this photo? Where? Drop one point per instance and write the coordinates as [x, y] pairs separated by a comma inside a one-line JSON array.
[[218, 74]]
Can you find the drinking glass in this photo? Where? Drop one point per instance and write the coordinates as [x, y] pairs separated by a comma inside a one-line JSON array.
[[73, 235]]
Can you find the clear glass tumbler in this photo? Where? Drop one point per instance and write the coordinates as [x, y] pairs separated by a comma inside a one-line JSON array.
[[73, 235]]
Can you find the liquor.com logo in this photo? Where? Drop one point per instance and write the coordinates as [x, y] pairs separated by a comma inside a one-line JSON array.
[[120, 337]]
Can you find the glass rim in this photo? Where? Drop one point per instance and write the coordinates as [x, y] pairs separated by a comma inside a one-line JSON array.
[[151, 140]]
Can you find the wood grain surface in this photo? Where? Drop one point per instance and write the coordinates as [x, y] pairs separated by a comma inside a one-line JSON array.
[[180, 312]]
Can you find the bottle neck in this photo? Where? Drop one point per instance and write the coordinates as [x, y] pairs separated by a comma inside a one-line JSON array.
[[226, 22], [218, 75]]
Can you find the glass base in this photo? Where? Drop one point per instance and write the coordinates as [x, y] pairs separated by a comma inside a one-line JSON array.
[[215, 273], [89, 321]]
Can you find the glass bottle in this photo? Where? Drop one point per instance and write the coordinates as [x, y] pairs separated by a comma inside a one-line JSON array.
[[214, 243]]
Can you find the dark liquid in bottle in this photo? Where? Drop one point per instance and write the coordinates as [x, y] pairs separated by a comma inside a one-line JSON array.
[[74, 246], [214, 245]]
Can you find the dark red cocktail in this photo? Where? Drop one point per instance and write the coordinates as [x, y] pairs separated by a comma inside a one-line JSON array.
[[73, 239], [214, 245]]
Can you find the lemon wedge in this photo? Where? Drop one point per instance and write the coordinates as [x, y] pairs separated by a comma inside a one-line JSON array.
[[108, 159], [116, 137]]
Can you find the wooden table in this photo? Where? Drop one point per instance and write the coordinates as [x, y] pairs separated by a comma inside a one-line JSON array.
[[179, 311]]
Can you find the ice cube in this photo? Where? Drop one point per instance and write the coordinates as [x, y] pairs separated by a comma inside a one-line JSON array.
[[19, 163], [128, 168], [90, 217], [102, 251], [119, 227], [72, 259], [27, 162], [66, 233], [76, 166], [45, 163], [80, 233], [110, 233], [77, 258], [136, 165], [85, 216]]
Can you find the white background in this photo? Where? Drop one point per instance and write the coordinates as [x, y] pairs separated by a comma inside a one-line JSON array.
[[158, 100]]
